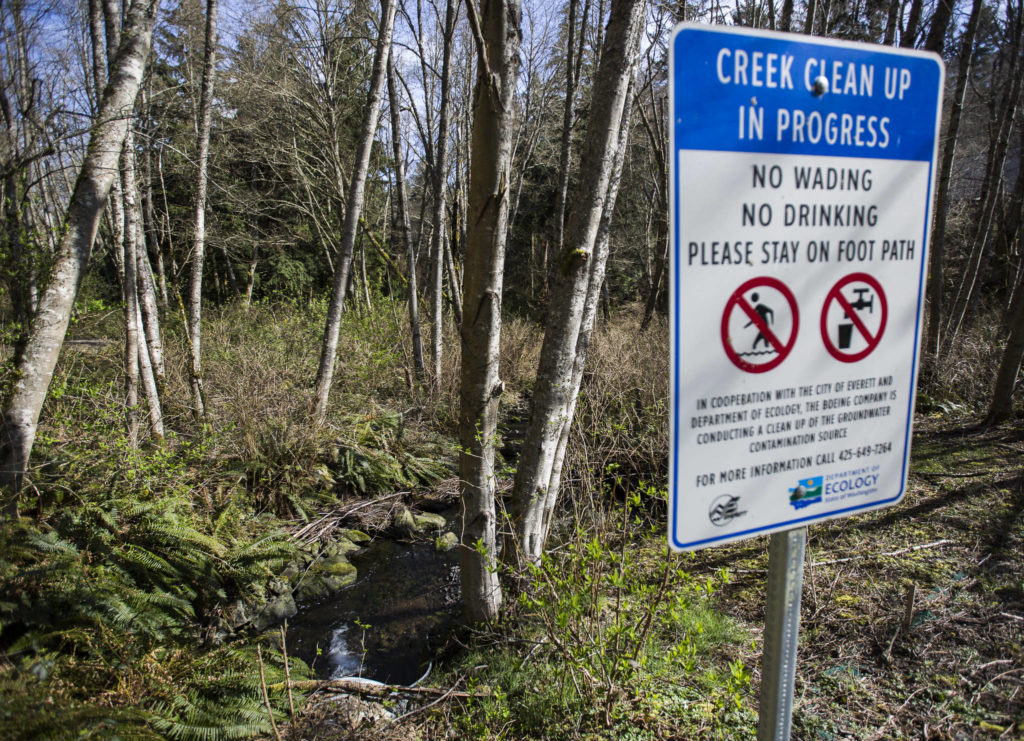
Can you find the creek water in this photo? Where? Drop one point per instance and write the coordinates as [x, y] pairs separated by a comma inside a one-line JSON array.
[[390, 623]]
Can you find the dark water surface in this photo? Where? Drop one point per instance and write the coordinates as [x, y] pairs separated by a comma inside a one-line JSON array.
[[407, 593]]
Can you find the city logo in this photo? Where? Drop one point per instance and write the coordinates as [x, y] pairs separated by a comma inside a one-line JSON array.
[[807, 491], [724, 510]]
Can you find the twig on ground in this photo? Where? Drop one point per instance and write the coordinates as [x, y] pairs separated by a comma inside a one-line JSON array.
[[287, 673], [900, 552], [431, 704], [266, 697], [363, 688]]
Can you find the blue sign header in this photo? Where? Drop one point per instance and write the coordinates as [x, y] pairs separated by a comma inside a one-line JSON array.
[[737, 90]]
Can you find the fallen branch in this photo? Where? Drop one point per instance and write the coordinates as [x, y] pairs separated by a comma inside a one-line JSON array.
[[432, 703], [363, 687]]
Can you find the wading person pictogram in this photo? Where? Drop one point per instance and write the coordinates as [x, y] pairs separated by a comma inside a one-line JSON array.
[[767, 315]]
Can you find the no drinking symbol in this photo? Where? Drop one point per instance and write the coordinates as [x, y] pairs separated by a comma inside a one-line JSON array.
[[759, 324], [853, 317]]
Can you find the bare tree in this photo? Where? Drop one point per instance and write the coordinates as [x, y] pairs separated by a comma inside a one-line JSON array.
[[49, 325], [1005, 111], [497, 35], [535, 489], [195, 306], [402, 209], [937, 245], [440, 176], [357, 189]]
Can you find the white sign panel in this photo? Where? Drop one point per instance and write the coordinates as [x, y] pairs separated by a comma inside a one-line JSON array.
[[801, 200]]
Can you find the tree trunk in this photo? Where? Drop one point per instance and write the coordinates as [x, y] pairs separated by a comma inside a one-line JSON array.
[[250, 281], [1001, 405], [454, 290], [534, 489], [132, 349], [356, 192], [440, 176], [195, 305], [99, 168], [936, 39], [786, 20], [146, 316], [568, 110], [891, 22], [909, 36], [990, 198], [596, 288], [937, 247], [497, 35], [809, 18], [658, 278], [404, 231]]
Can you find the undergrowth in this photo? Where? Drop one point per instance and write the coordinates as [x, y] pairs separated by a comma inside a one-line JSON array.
[[611, 637], [117, 580]]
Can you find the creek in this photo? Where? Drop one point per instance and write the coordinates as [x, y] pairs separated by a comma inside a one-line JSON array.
[[390, 623]]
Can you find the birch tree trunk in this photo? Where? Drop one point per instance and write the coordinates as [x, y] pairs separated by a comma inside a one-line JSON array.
[[596, 290], [143, 350], [404, 231], [440, 175], [497, 35], [936, 256], [356, 192], [49, 326], [195, 302], [568, 117], [533, 492]]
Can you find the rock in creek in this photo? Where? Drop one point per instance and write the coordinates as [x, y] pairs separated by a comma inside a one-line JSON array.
[[446, 542], [406, 523], [280, 608]]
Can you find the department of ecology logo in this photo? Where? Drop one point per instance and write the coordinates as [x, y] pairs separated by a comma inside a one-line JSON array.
[[806, 492], [724, 510]]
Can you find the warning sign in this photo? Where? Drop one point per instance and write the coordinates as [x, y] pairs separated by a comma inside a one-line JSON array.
[[853, 318], [756, 336], [801, 176]]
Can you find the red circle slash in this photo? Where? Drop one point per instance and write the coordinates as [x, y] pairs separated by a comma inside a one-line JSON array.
[[738, 301], [850, 312]]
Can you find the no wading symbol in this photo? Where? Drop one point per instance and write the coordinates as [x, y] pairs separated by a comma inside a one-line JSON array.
[[759, 324], [853, 317]]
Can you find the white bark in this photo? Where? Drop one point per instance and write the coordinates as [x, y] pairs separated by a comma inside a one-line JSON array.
[[402, 206], [357, 189], [440, 175], [195, 306], [49, 326], [144, 349], [535, 487], [497, 35]]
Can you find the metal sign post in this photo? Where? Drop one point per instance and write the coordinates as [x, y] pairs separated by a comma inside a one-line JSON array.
[[781, 631]]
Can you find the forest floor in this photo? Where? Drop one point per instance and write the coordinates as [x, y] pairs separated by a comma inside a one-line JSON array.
[[912, 625], [912, 622]]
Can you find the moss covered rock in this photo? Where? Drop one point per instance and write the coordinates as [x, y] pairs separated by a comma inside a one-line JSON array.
[[429, 521], [446, 542]]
